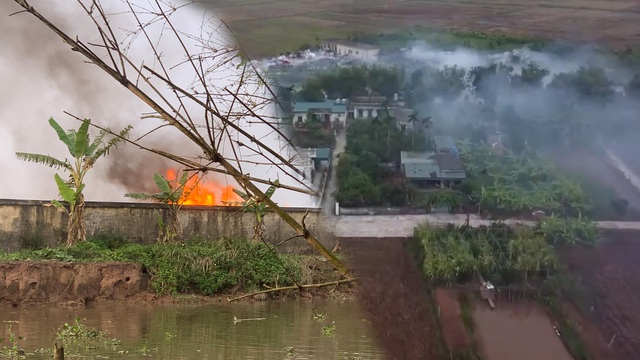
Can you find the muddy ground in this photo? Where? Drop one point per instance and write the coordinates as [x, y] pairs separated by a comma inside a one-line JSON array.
[[394, 298], [610, 277], [453, 332], [519, 330]]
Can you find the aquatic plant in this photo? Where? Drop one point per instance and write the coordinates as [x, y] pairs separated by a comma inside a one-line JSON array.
[[329, 330], [9, 346], [79, 339]]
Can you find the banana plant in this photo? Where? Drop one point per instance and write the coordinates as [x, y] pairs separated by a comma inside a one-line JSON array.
[[170, 195], [258, 207], [84, 154]]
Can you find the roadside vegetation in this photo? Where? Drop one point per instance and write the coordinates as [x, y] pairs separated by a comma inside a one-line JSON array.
[[501, 253]]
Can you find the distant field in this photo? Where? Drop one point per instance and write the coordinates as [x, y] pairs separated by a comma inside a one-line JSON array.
[[267, 27]]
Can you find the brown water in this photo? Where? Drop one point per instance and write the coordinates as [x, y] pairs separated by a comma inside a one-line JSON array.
[[206, 331], [520, 331]]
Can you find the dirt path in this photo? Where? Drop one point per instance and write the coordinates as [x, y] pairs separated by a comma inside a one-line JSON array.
[[393, 296], [329, 200]]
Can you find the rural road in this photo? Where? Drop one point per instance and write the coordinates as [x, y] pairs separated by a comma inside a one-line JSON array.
[[329, 201], [387, 226]]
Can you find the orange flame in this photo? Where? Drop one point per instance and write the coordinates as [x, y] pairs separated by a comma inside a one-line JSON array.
[[198, 191]]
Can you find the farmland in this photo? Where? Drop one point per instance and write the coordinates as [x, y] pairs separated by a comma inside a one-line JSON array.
[[266, 27], [608, 278]]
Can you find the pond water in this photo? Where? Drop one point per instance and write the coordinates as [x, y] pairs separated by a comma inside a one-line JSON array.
[[520, 331], [288, 331]]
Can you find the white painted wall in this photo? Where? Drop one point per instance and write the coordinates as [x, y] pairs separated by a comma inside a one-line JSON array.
[[357, 109], [302, 117], [366, 54]]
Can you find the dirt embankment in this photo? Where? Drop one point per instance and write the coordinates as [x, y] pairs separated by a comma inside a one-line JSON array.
[[73, 283], [453, 331], [394, 298]]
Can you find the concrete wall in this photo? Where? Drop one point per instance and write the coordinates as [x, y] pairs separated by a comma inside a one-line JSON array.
[[25, 220]]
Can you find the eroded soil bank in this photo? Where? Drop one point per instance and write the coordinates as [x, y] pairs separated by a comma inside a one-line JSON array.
[[80, 283], [59, 282]]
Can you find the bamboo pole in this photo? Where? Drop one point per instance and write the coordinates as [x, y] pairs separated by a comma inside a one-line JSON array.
[[294, 287]]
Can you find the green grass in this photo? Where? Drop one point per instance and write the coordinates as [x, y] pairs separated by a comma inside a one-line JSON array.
[[449, 38], [271, 37], [197, 267]]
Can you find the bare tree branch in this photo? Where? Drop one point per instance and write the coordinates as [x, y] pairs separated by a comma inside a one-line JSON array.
[[221, 110]]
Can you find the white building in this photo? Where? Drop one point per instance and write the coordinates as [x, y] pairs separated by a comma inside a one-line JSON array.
[[328, 112], [368, 107], [353, 49]]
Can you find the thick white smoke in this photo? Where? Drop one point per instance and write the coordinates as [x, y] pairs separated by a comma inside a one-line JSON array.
[[43, 78]]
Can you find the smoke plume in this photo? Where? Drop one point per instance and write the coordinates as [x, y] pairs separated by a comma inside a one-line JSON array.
[[43, 78]]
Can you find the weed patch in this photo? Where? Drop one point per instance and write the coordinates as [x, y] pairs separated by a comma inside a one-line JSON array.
[[197, 267]]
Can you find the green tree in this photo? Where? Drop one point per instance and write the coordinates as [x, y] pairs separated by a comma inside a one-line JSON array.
[[358, 189], [170, 195], [84, 154], [532, 75], [311, 91], [590, 82]]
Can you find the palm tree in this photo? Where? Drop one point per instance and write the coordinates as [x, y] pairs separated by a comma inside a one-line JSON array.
[[425, 124], [85, 153], [169, 195]]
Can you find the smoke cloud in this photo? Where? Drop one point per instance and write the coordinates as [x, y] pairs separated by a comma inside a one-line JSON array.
[[507, 97], [43, 78]]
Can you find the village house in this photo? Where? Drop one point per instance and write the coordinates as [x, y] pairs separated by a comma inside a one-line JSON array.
[[328, 112], [442, 167], [372, 105], [403, 118], [350, 48], [314, 161]]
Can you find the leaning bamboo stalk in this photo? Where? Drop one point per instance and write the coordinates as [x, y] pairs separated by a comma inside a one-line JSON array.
[[294, 287], [207, 149]]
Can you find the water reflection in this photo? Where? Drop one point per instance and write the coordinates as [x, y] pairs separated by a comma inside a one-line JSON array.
[[208, 331]]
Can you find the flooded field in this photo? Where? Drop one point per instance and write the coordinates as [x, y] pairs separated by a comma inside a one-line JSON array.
[[288, 330], [520, 331]]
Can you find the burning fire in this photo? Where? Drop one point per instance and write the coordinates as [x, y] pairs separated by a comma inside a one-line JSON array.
[[199, 191]]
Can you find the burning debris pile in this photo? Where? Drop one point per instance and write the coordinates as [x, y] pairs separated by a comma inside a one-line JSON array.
[[205, 192]]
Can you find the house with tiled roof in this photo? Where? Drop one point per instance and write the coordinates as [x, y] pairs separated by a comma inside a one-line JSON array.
[[442, 167], [328, 112]]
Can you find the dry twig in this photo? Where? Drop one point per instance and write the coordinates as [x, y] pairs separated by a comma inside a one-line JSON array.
[[295, 287]]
